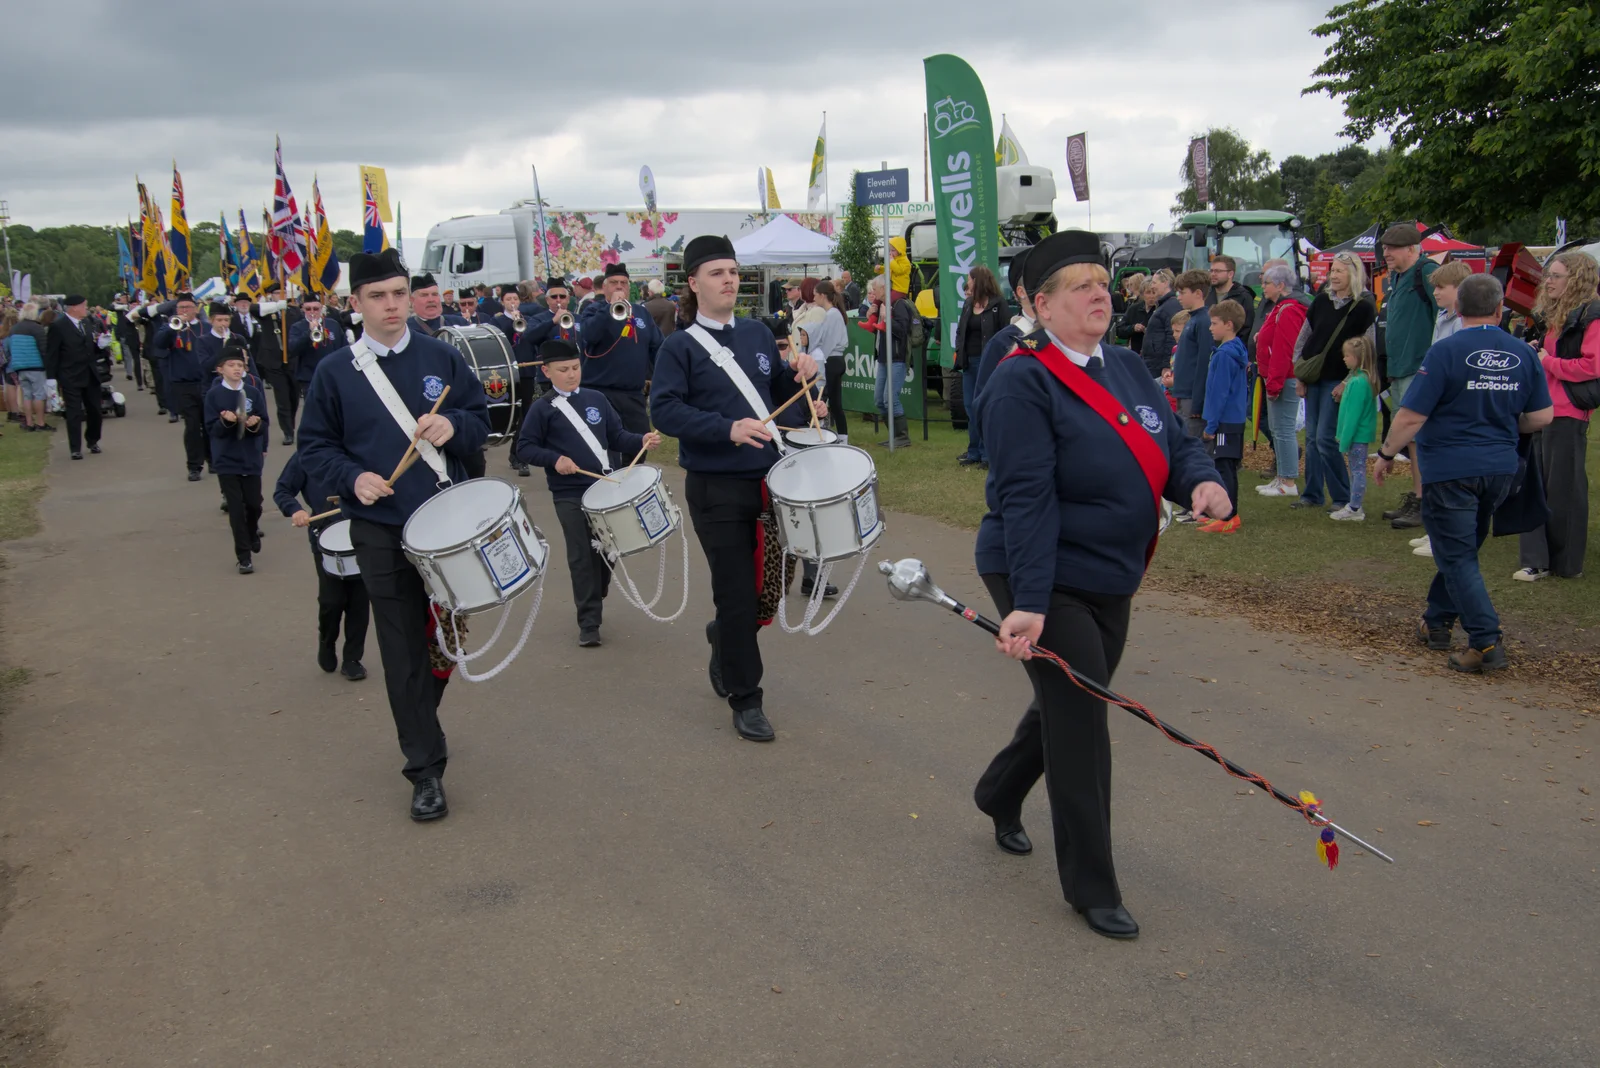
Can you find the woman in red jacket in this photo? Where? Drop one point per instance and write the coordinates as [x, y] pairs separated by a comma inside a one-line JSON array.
[[1569, 353], [1275, 364]]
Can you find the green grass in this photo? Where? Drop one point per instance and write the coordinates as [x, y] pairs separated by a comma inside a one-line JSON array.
[[22, 459]]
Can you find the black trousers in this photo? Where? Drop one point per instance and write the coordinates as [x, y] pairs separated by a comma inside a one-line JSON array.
[[190, 403], [243, 495], [724, 511], [400, 610], [591, 578], [1063, 736], [285, 395], [635, 415], [1561, 544], [340, 599], [834, 394], [1228, 472], [158, 385], [82, 400], [133, 365]]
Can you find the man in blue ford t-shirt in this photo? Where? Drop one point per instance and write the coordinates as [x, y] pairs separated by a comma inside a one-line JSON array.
[[1475, 392]]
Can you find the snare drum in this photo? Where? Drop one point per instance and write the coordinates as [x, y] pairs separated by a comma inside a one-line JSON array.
[[338, 556], [475, 545], [809, 437], [489, 355], [633, 513], [826, 501]]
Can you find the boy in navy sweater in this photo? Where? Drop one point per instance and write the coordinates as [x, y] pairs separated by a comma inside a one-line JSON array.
[[1227, 399], [236, 424], [1191, 361], [550, 439], [337, 597]]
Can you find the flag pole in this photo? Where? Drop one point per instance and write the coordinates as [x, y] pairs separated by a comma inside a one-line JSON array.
[[538, 203], [827, 200]]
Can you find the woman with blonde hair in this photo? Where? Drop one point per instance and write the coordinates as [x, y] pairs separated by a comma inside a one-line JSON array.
[[1343, 310], [1570, 356], [1073, 493]]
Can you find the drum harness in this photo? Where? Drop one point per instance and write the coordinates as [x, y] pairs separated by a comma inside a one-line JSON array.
[[724, 359], [629, 591], [366, 362]]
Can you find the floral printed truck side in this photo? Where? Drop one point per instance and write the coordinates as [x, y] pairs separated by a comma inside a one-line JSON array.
[[509, 247]]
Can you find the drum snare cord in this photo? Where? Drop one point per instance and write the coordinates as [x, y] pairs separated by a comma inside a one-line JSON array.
[[461, 657], [631, 594], [814, 603]]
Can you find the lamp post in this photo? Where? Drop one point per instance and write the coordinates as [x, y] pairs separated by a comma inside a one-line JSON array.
[[5, 217]]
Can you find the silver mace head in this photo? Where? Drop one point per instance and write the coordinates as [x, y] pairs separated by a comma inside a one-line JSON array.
[[909, 581]]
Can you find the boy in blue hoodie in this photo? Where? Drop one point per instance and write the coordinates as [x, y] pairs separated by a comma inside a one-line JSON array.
[[1227, 400], [236, 423]]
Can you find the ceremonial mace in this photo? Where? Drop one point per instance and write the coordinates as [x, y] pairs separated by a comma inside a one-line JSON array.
[[909, 581]]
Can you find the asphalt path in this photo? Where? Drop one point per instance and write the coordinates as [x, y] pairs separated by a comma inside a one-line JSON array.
[[210, 861]]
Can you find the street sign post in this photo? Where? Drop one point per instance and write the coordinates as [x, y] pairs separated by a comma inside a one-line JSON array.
[[886, 187]]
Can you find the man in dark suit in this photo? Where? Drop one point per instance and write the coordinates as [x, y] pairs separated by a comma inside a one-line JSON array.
[[71, 357]]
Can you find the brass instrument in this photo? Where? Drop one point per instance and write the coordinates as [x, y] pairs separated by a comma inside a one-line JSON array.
[[621, 311], [176, 323], [565, 320], [318, 335], [518, 323]]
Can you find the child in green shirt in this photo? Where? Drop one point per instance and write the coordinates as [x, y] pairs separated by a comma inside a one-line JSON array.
[[1358, 420]]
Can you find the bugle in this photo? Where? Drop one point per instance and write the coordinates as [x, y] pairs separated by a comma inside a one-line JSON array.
[[565, 320], [621, 310], [318, 335], [176, 323], [518, 323]]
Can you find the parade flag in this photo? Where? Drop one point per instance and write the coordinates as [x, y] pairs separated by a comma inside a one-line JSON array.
[[1008, 149], [149, 245], [308, 241], [373, 238], [180, 232], [324, 261], [274, 261], [817, 186], [399, 241], [250, 275], [378, 178], [125, 272], [1078, 165], [136, 250], [287, 239], [227, 255], [1200, 168], [960, 134]]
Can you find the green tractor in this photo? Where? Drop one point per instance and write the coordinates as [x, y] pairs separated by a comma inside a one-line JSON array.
[[1250, 237]]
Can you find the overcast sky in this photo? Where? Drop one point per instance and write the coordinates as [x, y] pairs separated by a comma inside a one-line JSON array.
[[457, 100]]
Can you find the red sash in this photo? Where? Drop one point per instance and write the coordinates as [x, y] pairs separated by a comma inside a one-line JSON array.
[[1151, 460]]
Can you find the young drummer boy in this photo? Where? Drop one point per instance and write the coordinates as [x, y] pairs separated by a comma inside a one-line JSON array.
[[236, 425], [338, 597], [568, 430]]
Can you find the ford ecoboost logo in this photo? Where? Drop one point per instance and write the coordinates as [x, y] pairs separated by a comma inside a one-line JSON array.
[[1490, 360]]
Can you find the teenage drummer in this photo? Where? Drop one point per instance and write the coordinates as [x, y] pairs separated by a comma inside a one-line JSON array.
[[717, 408], [567, 431], [351, 440], [339, 598]]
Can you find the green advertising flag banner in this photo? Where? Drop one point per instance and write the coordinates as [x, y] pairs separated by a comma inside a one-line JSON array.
[[961, 154], [861, 375]]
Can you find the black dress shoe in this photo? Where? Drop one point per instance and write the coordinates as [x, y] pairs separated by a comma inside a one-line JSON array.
[[829, 592], [588, 639], [524, 470], [1112, 922], [327, 659], [353, 670], [288, 439], [753, 726], [427, 800], [715, 670], [1010, 837], [95, 448], [194, 476]]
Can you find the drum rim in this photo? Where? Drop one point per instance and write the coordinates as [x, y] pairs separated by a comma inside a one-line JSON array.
[[323, 547], [660, 481], [871, 479], [481, 537], [791, 431]]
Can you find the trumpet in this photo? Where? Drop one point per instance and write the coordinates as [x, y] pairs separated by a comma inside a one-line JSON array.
[[621, 310], [565, 321], [518, 323], [318, 335], [176, 323]]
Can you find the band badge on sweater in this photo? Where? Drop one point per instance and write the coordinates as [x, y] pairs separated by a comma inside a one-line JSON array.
[[432, 387]]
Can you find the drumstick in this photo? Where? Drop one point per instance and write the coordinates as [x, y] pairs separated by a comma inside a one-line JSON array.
[[638, 456], [804, 389], [812, 404], [399, 468], [324, 515], [591, 474]]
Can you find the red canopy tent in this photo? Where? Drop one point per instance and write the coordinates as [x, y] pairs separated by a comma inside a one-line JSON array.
[[1439, 245]]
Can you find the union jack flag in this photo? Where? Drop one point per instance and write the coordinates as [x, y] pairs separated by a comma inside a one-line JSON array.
[[287, 240], [373, 239]]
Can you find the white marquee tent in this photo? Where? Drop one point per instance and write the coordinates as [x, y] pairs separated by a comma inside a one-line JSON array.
[[782, 242]]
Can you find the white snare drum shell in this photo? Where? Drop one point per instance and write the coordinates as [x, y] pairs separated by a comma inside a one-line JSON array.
[[475, 545], [809, 437], [338, 555], [826, 501], [633, 513]]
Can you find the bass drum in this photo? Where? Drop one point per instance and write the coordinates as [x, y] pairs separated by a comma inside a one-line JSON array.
[[489, 355]]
